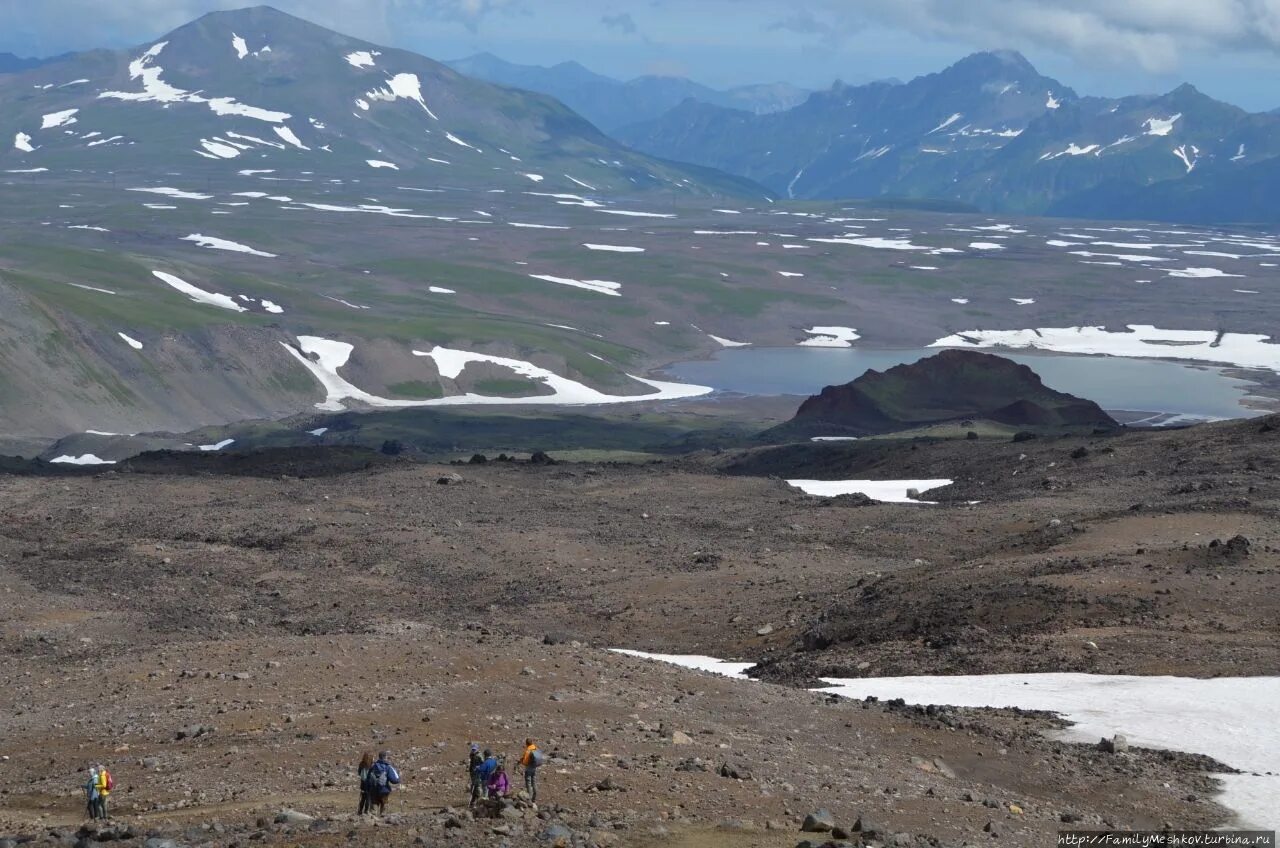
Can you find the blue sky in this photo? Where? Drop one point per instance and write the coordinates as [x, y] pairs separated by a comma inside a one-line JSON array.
[[1228, 48]]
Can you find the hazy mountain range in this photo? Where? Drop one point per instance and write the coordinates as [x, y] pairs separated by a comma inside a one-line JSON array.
[[993, 132], [610, 104]]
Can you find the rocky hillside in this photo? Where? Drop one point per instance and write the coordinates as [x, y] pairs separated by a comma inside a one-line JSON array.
[[949, 386], [990, 130]]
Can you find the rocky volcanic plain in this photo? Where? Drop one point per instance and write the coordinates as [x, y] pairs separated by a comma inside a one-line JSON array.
[[228, 634]]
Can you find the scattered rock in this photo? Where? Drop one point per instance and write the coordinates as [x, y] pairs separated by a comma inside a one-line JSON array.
[[451, 479], [735, 771], [679, 737], [194, 731]]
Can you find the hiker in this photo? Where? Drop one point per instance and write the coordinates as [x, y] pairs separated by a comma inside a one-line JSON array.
[[474, 761], [366, 765], [91, 792], [487, 768], [499, 786], [533, 757], [381, 778], [104, 784]]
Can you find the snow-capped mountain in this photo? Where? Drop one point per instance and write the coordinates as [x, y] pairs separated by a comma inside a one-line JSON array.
[[988, 131], [259, 89]]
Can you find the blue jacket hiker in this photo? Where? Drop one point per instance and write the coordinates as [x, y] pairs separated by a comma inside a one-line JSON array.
[[380, 779]]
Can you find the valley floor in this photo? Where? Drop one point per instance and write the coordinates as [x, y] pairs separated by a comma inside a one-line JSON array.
[[306, 618]]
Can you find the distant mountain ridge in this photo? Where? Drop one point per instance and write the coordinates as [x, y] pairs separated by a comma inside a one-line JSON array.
[[11, 64], [991, 131], [610, 104]]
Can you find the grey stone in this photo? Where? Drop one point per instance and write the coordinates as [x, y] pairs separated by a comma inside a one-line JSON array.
[[1117, 744], [293, 817], [819, 821]]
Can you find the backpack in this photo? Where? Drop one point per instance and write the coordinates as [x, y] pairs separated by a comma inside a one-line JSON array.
[[111, 782], [537, 758], [376, 781]]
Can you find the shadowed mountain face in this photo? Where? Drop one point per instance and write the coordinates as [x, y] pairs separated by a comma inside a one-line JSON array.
[[610, 104], [951, 386], [257, 88], [990, 131]]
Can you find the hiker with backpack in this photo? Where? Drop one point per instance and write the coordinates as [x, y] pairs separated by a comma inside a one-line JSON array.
[[499, 786], [487, 769], [104, 784], [91, 792], [474, 761], [381, 778], [362, 771], [532, 759]]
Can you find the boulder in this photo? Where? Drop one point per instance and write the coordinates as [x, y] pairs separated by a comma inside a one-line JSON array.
[[868, 827], [294, 817], [558, 836], [449, 480], [819, 821], [1117, 744], [679, 737]]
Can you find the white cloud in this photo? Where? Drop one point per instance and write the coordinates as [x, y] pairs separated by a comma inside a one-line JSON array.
[[1154, 33]]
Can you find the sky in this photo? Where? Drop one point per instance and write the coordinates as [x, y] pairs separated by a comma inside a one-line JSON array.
[[1228, 48]]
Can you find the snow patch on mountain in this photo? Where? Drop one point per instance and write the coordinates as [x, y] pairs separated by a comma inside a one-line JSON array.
[[361, 58], [453, 138], [378, 163], [597, 286], [1073, 149], [1142, 341], [156, 90], [131, 342], [222, 151], [948, 122], [238, 45], [289, 136], [173, 192], [406, 86], [199, 295], [65, 118], [1189, 154], [831, 337], [1201, 273], [323, 358], [86, 459], [22, 141], [613, 248], [214, 243], [1160, 126]]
